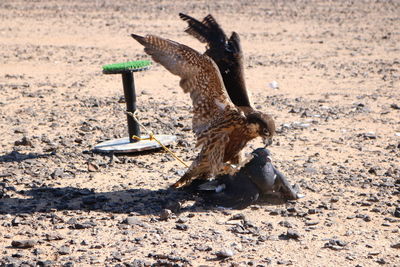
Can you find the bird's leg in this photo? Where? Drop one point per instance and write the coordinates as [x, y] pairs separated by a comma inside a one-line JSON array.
[[184, 180], [230, 169], [195, 171]]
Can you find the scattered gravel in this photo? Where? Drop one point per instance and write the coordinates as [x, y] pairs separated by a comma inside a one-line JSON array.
[[328, 73]]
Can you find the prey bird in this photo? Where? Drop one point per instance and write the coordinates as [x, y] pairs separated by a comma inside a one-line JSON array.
[[269, 180], [222, 130], [258, 177]]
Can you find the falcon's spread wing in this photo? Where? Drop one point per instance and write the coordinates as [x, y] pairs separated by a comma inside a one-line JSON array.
[[199, 77], [226, 53]]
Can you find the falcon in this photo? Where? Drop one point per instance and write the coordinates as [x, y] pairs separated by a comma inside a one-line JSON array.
[[222, 130], [226, 53]]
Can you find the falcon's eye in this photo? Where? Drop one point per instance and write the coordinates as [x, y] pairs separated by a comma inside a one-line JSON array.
[[266, 132]]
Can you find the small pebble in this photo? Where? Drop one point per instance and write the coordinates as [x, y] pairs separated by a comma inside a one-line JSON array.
[[274, 85], [165, 214], [396, 245], [291, 234], [25, 141], [23, 243], [182, 227], [132, 221], [64, 250], [224, 253]]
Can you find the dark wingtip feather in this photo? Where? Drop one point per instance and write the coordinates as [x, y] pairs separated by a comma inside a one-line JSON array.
[[137, 37], [209, 20], [140, 39], [195, 28], [185, 17]]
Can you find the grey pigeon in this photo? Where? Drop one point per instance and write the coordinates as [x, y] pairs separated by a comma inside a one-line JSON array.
[[257, 177], [268, 179]]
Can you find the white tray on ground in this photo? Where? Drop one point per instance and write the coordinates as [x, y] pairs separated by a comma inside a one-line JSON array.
[[122, 145]]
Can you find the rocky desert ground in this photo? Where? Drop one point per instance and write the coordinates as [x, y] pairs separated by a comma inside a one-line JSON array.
[[337, 110]]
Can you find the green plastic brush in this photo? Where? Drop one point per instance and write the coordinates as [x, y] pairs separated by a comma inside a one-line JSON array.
[[131, 66]]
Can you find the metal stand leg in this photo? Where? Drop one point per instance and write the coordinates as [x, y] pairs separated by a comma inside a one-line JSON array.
[[130, 99]]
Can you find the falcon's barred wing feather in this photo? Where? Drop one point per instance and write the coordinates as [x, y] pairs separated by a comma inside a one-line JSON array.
[[199, 77], [226, 53]]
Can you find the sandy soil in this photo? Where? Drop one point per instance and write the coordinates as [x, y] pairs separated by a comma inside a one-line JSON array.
[[337, 64]]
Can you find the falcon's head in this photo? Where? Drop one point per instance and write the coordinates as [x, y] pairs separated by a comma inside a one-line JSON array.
[[263, 125]]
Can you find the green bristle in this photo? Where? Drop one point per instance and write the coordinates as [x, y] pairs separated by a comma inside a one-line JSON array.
[[137, 65]]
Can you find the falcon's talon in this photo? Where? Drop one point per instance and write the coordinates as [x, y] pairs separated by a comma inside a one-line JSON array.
[[228, 169], [178, 184]]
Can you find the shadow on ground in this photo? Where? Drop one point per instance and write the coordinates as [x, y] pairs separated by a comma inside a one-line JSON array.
[[140, 201], [46, 199], [16, 156]]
